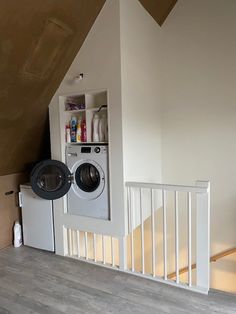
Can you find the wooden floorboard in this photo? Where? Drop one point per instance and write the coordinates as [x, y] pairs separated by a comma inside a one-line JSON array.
[[34, 281]]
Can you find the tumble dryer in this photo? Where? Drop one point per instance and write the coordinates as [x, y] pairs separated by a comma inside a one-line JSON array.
[[83, 179]]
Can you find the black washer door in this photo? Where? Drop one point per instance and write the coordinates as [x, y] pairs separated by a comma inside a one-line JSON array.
[[87, 177], [50, 179]]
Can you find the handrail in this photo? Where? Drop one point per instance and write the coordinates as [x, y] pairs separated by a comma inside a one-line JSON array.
[[168, 187], [213, 258]]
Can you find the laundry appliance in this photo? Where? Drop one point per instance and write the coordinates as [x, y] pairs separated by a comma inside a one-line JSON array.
[[84, 179]]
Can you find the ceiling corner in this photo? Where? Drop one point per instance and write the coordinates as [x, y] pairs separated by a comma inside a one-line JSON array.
[[158, 9]]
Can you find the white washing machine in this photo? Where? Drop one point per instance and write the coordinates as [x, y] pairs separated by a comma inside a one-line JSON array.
[[88, 195], [83, 179]]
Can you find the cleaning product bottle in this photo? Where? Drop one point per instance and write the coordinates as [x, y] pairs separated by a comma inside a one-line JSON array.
[[102, 128], [73, 124], [67, 134], [106, 131], [96, 127], [83, 131], [78, 132], [17, 234]]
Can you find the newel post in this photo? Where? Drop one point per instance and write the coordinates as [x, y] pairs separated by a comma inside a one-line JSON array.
[[203, 236]]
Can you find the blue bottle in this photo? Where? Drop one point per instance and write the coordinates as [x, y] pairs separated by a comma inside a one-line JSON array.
[[73, 125]]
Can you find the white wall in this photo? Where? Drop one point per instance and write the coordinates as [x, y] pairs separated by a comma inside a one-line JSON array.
[[199, 114], [99, 60], [181, 76], [140, 63], [140, 77], [113, 55]]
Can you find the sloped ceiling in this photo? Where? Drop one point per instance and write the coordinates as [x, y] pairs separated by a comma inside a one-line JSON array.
[[39, 41], [31, 69]]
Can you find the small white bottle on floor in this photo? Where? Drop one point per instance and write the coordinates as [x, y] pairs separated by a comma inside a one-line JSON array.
[[17, 234]]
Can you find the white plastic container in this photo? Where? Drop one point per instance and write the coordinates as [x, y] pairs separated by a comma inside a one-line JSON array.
[[102, 128], [17, 234], [78, 132], [68, 135], [96, 120]]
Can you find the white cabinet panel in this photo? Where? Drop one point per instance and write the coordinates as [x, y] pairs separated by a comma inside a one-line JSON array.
[[37, 216]]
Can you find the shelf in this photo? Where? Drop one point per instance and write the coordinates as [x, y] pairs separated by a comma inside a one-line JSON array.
[[75, 111], [95, 103], [83, 110], [87, 143]]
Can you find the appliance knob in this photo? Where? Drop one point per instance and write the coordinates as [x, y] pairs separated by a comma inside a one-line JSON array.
[[97, 149]]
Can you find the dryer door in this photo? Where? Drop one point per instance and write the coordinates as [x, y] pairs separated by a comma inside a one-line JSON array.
[[50, 179]]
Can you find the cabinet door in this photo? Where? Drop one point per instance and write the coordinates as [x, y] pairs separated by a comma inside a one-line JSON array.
[[37, 217]]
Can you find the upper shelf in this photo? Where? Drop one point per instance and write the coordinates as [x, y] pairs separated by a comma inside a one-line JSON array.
[[87, 143], [86, 101], [88, 109]]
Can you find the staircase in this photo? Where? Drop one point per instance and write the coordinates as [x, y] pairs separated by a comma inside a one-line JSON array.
[[213, 258]]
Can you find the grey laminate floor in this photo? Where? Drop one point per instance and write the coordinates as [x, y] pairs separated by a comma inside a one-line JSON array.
[[33, 281]]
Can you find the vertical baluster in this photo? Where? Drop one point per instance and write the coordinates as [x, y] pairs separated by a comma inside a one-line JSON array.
[[189, 240], [153, 235], [142, 232], [132, 233], [74, 242], [103, 249], [78, 244], [112, 252], [71, 239], [164, 233], [86, 244], [70, 242], [177, 236], [94, 247], [128, 209]]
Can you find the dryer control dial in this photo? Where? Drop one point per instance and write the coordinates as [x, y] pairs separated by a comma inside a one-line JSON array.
[[97, 150]]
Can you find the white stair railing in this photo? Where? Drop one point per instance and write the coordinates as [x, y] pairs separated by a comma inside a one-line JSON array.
[[168, 232], [140, 196]]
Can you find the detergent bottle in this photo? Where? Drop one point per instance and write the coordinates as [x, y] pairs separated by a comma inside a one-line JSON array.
[[67, 134], [17, 234], [83, 131], [96, 128], [73, 125], [102, 128], [78, 131]]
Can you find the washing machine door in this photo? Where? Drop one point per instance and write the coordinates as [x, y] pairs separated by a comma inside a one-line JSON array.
[[90, 179], [50, 179]]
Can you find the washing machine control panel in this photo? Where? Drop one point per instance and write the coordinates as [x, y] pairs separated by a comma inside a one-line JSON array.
[[93, 149], [75, 151]]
